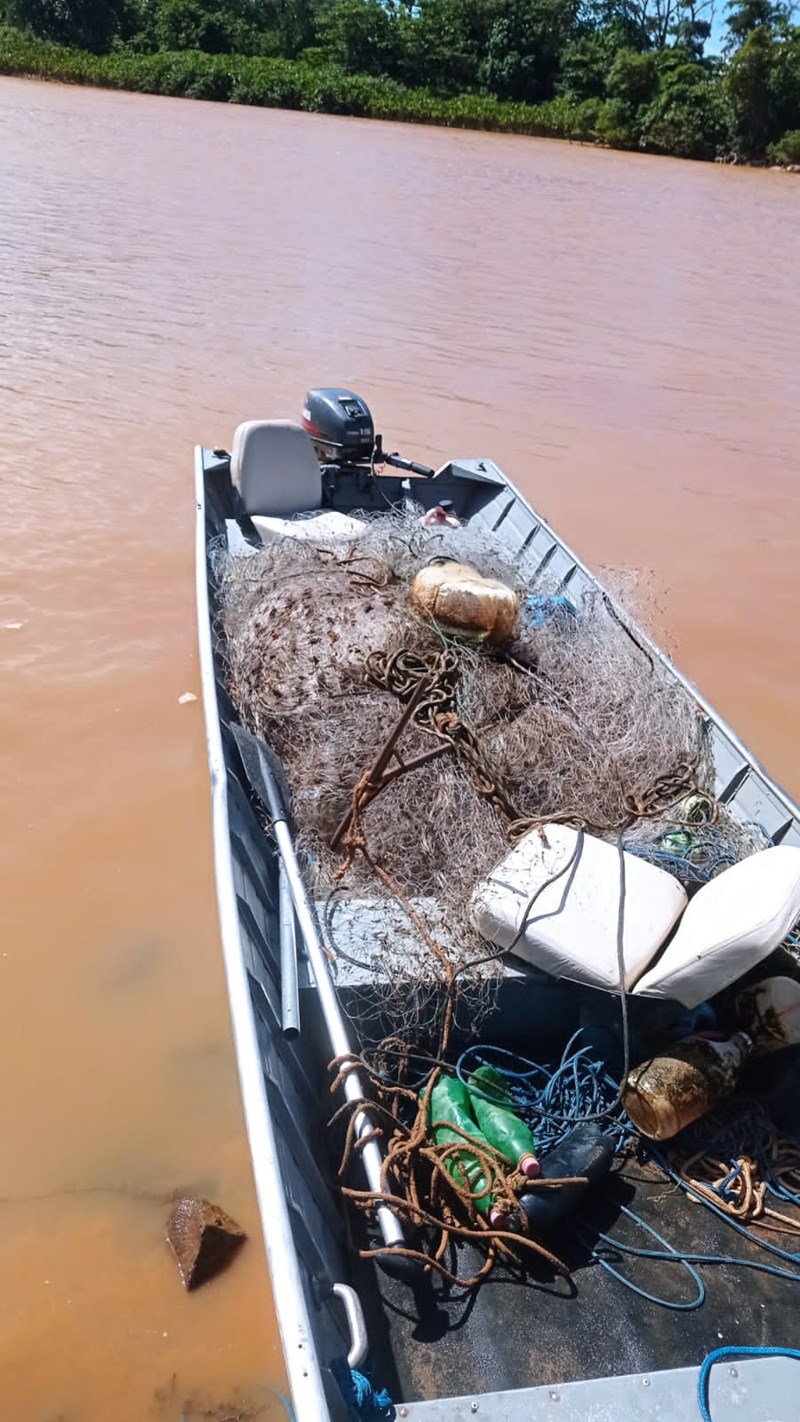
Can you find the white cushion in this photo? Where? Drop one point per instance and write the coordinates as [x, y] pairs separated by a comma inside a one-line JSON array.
[[731, 924], [571, 929], [328, 527], [275, 469]]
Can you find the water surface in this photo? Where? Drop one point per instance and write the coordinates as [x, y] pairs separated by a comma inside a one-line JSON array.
[[619, 332]]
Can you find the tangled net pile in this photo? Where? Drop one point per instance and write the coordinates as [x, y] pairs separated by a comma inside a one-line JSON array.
[[572, 719]]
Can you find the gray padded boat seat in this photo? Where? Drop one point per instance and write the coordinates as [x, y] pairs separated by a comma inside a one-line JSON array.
[[275, 469]]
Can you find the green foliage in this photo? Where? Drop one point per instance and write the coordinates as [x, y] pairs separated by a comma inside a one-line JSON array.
[[745, 16], [524, 47], [602, 30], [585, 118], [585, 63], [296, 25], [787, 150], [633, 78], [282, 83], [88, 24], [362, 36], [689, 33], [443, 42], [615, 124], [213, 26], [687, 116], [747, 86], [762, 87]]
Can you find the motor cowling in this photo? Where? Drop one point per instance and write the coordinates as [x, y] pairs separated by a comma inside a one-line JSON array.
[[340, 426]]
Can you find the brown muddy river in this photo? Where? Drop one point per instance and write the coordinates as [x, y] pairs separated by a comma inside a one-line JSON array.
[[619, 332]]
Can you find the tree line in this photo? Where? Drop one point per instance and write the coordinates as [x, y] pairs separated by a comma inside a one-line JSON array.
[[629, 73]]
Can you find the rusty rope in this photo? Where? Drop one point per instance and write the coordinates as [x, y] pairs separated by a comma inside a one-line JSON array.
[[418, 1187], [738, 1187]]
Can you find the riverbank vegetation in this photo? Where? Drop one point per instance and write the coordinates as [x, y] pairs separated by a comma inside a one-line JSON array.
[[632, 74]]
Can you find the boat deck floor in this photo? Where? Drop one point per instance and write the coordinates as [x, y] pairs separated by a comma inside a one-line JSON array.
[[538, 1329], [522, 1332]]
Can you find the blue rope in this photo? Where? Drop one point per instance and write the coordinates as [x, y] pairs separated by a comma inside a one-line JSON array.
[[553, 1100], [674, 1254], [671, 1255], [721, 1136], [704, 1380], [679, 1256], [688, 871], [366, 1404]]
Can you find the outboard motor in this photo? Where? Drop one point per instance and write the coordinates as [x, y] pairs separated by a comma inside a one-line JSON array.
[[340, 426]]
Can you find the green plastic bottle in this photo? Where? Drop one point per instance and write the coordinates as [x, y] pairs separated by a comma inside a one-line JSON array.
[[498, 1121], [450, 1101]]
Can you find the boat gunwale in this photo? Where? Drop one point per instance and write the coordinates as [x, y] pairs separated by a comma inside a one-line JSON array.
[[294, 1322], [647, 643]]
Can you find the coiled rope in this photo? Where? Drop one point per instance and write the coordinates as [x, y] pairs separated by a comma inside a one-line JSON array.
[[718, 1356], [553, 1102]]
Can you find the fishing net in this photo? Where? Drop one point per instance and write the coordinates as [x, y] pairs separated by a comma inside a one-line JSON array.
[[695, 852], [571, 720]]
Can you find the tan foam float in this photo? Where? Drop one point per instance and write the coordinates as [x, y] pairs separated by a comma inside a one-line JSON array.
[[465, 603]]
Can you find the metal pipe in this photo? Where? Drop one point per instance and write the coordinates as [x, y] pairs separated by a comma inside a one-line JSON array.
[[271, 775], [290, 1001], [334, 1019]]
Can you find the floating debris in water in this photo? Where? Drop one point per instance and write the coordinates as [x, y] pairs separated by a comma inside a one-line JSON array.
[[203, 1238]]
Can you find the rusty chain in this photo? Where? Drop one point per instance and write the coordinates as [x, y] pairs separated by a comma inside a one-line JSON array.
[[401, 672]]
